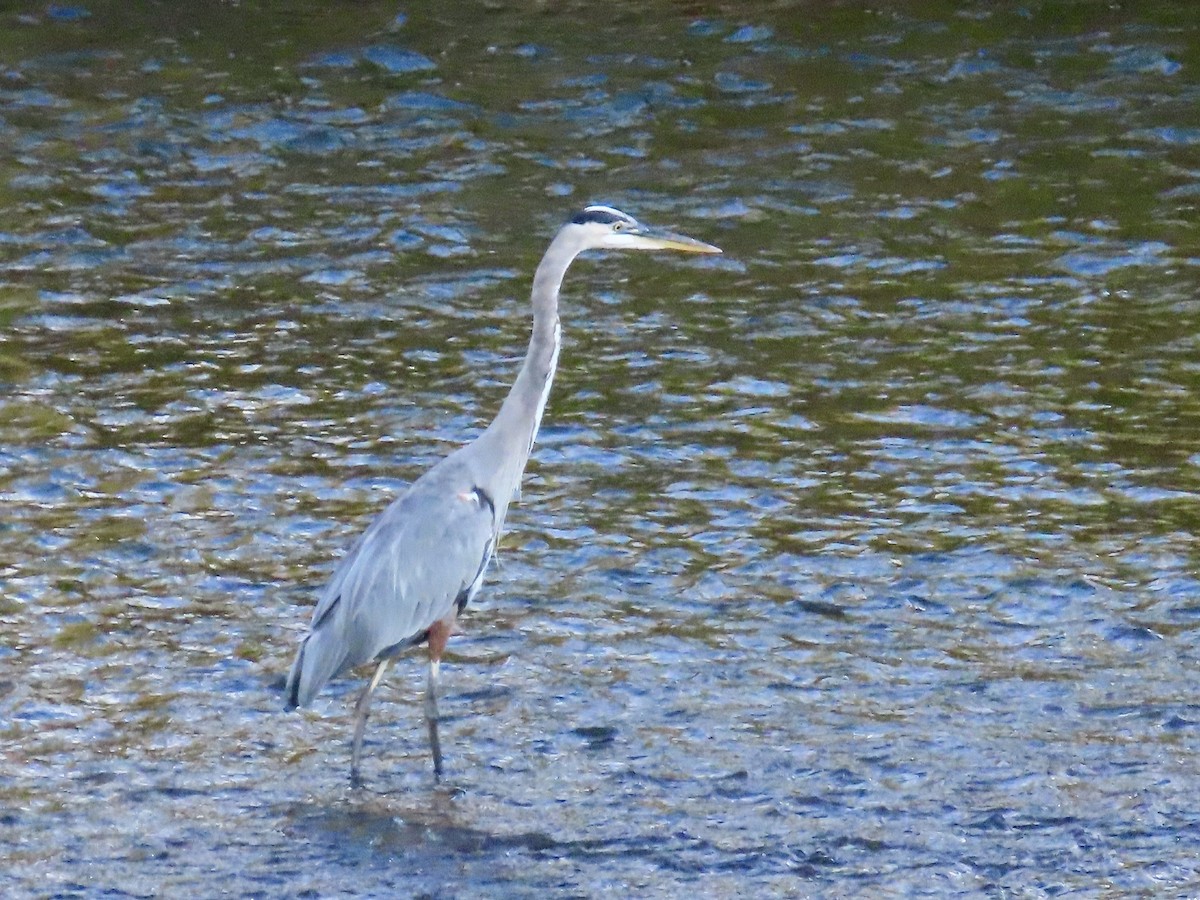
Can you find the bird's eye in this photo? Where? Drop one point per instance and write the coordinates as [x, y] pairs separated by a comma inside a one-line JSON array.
[[618, 226]]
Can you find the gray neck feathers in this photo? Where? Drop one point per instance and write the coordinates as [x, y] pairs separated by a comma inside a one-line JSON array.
[[510, 436]]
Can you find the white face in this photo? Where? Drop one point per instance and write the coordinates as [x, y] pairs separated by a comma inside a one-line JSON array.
[[618, 235], [606, 228]]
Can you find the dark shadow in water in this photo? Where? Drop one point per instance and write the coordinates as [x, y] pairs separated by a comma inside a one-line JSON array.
[[822, 608], [385, 829], [381, 831]]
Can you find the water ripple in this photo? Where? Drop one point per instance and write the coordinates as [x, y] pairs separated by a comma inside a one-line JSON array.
[[861, 555]]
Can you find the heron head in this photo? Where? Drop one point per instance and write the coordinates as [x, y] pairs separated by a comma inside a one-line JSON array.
[[605, 228]]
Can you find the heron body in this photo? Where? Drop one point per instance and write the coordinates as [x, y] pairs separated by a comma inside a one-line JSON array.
[[419, 564]]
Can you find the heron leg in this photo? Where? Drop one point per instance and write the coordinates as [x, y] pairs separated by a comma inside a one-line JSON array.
[[439, 633], [361, 709], [431, 717]]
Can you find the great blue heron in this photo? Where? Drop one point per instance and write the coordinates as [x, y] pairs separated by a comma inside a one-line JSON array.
[[420, 563]]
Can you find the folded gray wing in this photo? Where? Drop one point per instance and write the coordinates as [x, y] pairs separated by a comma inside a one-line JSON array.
[[425, 553]]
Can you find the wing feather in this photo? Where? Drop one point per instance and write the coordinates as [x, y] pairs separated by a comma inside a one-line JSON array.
[[423, 555]]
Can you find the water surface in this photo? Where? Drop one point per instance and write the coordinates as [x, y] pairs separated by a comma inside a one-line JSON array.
[[860, 561]]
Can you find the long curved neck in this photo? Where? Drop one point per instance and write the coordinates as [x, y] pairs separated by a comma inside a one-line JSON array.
[[510, 436]]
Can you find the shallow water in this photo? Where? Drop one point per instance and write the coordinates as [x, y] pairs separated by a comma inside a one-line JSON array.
[[860, 561]]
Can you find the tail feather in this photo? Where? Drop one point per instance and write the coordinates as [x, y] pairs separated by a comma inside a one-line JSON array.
[[292, 687], [316, 662]]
